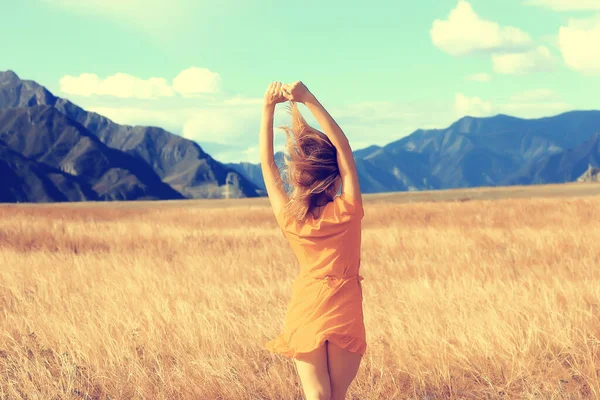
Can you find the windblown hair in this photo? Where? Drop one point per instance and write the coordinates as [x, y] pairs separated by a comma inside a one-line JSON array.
[[311, 166]]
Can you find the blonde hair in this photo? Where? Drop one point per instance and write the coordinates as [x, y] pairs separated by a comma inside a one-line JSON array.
[[311, 166]]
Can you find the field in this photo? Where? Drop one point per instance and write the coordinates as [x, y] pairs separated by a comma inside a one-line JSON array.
[[468, 294]]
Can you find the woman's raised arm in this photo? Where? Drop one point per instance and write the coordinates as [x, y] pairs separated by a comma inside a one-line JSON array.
[[275, 189]]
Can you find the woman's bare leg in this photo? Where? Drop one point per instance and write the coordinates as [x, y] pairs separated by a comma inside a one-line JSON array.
[[343, 367], [314, 375]]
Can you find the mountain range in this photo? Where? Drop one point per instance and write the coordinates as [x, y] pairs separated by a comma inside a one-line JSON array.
[[493, 151], [53, 150]]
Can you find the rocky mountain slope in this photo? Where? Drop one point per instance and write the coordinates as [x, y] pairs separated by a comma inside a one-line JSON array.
[[178, 162]]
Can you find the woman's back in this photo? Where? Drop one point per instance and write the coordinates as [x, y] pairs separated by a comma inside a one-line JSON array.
[[328, 245]]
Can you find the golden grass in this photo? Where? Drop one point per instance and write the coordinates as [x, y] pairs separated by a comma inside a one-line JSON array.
[[482, 299]]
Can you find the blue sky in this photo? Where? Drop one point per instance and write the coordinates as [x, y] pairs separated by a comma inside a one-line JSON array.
[[199, 68]]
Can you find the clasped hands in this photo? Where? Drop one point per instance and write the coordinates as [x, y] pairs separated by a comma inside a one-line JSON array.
[[278, 92]]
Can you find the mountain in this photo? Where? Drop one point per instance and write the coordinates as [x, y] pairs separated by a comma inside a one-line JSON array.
[[499, 150], [399, 171], [254, 171], [179, 162], [43, 135], [251, 171], [486, 151], [24, 180], [565, 166], [516, 137], [592, 174], [362, 153], [373, 179]]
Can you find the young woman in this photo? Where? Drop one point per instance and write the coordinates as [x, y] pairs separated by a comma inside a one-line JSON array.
[[324, 331]]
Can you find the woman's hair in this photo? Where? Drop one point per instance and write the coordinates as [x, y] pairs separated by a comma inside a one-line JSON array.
[[311, 166]]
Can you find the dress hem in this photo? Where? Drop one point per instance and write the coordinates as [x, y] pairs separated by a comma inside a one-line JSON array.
[[346, 342]]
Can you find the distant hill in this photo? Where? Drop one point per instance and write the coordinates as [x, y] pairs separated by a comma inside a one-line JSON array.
[[24, 180], [362, 153], [178, 162], [254, 171], [43, 135], [592, 174], [565, 166], [251, 171], [493, 151]]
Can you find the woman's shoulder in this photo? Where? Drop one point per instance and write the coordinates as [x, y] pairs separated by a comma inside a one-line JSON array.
[[349, 205], [342, 209]]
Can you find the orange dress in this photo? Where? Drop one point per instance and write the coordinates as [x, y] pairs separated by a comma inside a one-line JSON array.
[[326, 302]]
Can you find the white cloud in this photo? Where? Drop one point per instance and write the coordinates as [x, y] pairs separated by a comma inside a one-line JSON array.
[[536, 60], [534, 109], [481, 77], [528, 104], [235, 155], [167, 120], [379, 122], [566, 5], [465, 32], [251, 154], [118, 85], [190, 82], [534, 95], [579, 44], [193, 81], [471, 106], [238, 100], [202, 120], [221, 125]]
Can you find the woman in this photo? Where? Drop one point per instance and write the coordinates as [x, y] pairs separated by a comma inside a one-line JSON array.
[[324, 331]]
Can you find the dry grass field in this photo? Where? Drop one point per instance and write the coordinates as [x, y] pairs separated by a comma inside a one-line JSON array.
[[474, 294]]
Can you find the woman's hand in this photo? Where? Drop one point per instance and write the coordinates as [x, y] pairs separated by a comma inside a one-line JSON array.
[[274, 94], [296, 91]]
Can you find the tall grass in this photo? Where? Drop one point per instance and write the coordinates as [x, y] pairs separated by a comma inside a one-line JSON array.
[[475, 300]]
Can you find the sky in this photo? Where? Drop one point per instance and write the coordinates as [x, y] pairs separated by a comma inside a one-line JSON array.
[[382, 69]]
